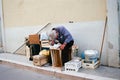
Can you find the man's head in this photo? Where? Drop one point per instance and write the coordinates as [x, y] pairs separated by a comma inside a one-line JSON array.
[[53, 35], [56, 30]]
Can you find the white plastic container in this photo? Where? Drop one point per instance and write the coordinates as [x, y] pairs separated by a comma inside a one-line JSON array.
[[91, 55], [73, 66]]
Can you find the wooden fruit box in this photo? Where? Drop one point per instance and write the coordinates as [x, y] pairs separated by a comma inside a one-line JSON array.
[[34, 39], [39, 60], [56, 57]]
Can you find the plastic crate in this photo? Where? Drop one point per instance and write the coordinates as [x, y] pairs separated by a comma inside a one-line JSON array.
[[73, 66]]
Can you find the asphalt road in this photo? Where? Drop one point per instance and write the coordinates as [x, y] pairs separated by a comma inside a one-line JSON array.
[[10, 73]]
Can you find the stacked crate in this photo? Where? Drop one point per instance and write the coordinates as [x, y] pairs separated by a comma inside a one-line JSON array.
[[34, 39], [45, 43], [91, 60]]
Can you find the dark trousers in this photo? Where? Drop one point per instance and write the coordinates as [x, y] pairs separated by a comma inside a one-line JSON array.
[[66, 52], [34, 50]]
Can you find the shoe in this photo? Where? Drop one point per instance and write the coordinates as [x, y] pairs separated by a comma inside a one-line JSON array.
[[31, 59]]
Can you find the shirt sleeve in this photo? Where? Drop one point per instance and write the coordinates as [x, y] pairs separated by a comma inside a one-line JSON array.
[[67, 35]]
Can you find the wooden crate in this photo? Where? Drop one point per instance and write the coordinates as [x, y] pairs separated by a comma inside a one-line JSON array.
[[34, 39], [39, 60], [90, 65], [56, 57], [45, 43]]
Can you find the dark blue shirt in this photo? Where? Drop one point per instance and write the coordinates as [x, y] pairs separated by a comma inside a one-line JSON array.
[[64, 35]]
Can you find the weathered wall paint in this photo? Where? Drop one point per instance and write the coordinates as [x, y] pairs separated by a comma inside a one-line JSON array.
[[37, 12]]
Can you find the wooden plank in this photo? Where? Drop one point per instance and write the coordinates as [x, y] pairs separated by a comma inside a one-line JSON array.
[[34, 39]]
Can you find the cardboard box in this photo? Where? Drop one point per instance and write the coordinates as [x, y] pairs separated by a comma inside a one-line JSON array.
[[34, 39], [39, 60]]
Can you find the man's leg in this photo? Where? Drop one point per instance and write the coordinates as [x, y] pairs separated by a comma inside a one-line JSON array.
[[34, 50], [66, 52]]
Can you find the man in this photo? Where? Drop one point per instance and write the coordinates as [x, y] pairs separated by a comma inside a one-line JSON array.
[[64, 37]]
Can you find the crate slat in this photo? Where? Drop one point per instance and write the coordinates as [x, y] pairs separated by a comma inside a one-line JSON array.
[[90, 65]]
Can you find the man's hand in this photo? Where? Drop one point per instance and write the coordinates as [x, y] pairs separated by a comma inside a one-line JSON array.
[[52, 42], [62, 46]]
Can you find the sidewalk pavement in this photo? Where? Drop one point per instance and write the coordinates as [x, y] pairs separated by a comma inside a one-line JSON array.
[[101, 73]]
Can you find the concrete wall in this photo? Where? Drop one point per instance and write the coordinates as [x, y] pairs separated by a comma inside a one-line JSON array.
[[113, 33], [21, 15], [0, 27], [37, 12], [0, 34], [119, 28]]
